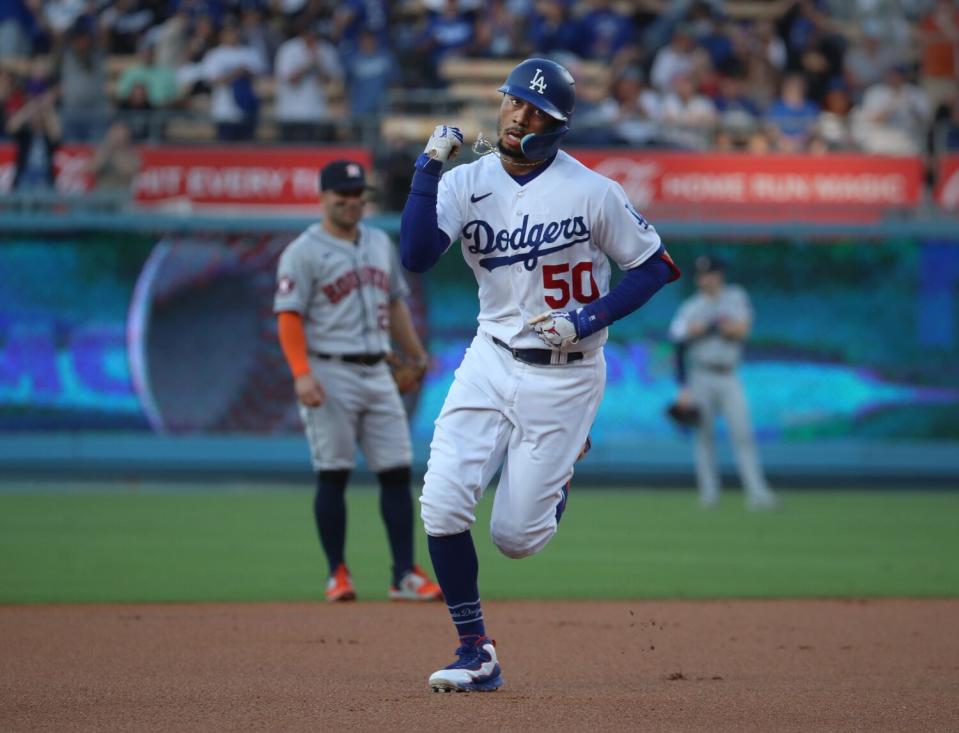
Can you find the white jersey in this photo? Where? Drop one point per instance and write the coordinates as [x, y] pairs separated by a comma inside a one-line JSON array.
[[304, 100], [541, 246]]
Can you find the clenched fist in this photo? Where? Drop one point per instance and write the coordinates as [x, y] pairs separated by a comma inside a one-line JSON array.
[[445, 143]]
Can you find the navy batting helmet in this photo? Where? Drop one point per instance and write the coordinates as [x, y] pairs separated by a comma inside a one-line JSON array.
[[550, 87]]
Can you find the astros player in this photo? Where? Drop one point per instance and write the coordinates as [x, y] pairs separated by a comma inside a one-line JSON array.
[[339, 299], [709, 330], [537, 229]]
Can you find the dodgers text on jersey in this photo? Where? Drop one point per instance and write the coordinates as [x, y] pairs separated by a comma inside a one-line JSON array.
[[524, 237]]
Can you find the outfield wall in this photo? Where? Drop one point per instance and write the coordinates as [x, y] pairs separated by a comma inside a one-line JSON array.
[[146, 343]]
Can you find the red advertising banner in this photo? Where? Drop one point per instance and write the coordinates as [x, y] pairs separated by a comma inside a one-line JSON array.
[[729, 184], [247, 176], [947, 182], [211, 177], [706, 186]]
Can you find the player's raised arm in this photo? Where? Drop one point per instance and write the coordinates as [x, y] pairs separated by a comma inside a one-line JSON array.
[[421, 240]]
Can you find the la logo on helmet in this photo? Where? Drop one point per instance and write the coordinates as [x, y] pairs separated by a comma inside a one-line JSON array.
[[538, 82]]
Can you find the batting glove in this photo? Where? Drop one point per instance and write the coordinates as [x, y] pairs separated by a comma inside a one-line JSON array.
[[556, 328], [445, 143]]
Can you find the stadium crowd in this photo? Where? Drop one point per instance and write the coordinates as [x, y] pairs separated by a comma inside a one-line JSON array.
[[878, 76]]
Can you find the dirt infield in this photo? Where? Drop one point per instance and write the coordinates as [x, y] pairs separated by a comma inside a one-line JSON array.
[[890, 665]]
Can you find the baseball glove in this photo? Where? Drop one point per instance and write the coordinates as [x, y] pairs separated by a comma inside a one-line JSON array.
[[683, 414], [407, 375]]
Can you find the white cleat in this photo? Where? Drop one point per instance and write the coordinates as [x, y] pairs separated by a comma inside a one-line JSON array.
[[476, 670]]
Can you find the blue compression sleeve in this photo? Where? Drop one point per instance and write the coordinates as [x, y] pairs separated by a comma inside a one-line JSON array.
[[639, 285], [422, 242]]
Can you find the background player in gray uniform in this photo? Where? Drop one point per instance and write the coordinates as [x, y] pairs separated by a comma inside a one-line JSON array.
[[340, 299], [709, 330]]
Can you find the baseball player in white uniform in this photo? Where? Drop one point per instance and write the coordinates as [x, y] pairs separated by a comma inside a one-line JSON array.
[[339, 299], [538, 230], [709, 330]]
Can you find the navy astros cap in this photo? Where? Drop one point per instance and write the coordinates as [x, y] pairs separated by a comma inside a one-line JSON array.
[[342, 175], [707, 263]]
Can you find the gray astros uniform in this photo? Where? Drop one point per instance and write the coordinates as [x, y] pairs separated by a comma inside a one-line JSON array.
[[711, 362], [343, 291]]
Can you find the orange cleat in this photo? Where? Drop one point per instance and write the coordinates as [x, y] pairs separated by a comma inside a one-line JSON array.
[[416, 586], [340, 586]]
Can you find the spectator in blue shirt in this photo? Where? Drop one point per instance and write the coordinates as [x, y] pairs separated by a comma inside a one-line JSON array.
[[369, 70], [793, 115], [197, 8], [353, 18], [603, 32], [16, 24], [803, 26], [710, 34], [501, 32], [447, 33], [550, 28], [732, 96]]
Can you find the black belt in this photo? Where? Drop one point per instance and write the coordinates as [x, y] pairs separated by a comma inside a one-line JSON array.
[[540, 357], [364, 359], [716, 368]]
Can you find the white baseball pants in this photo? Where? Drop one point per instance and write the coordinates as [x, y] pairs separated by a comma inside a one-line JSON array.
[[532, 421]]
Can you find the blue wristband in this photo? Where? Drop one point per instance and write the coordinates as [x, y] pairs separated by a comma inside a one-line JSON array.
[[639, 285], [430, 165], [583, 322]]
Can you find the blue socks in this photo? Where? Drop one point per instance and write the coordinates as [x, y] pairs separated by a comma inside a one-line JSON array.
[[457, 572], [396, 508], [329, 511]]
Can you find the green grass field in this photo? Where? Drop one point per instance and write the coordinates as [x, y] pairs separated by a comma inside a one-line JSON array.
[[180, 544]]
